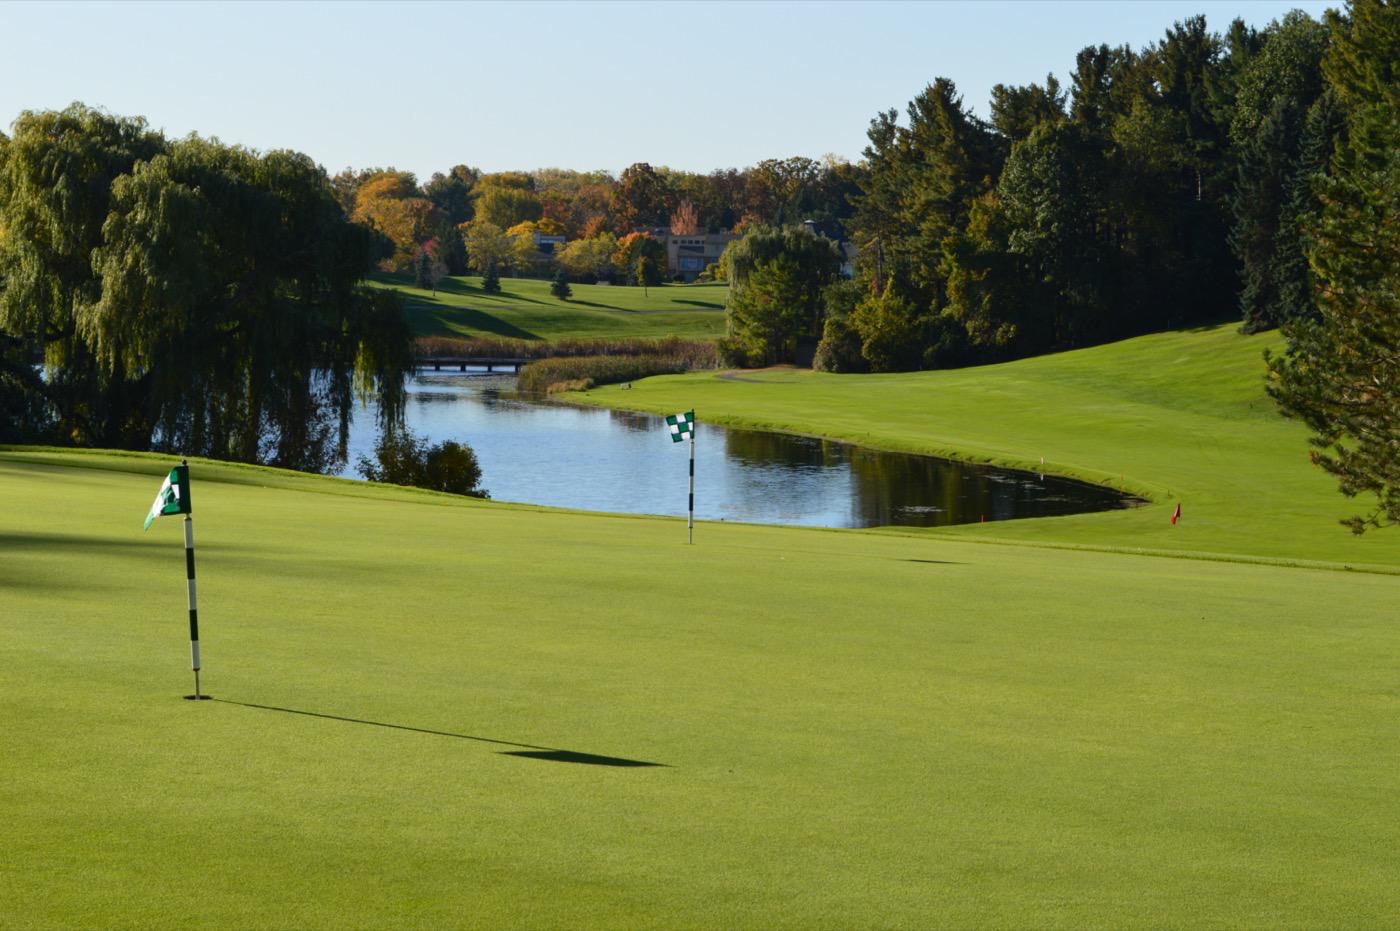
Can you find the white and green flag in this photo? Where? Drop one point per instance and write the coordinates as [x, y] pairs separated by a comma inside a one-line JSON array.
[[173, 497], [682, 426]]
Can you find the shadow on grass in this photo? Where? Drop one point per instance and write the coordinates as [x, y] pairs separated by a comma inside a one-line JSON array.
[[462, 289], [709, 304], [530, 751], [574, 300], [51, 541], [455, 286], [445, 319], [77, 544], [148, 542]]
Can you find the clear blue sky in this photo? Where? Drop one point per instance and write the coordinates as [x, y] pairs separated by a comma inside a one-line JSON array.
[[423, 86]]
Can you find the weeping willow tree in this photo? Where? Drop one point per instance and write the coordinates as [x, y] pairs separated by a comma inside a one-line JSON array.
[[192, 296]]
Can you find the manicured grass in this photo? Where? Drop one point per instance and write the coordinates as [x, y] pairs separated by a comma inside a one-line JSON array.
[[524, 309], [857, 729], [1178, 417]]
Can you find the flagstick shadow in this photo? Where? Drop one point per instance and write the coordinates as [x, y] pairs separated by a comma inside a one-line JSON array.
[[529, 751]]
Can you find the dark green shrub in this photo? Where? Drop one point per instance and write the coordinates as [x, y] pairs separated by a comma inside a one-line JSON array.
[[403, 458], [839, 349]]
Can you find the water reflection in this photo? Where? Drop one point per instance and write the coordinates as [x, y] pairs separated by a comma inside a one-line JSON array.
[[619, 461]]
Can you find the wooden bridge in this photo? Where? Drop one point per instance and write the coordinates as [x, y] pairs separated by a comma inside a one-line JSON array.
[[460, 363]]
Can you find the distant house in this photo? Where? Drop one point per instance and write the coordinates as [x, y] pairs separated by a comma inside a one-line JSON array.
[[548, 245], [687, 256]]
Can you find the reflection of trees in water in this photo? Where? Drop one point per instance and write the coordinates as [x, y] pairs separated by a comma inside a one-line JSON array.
[[756, 448], [890, 488], [785, 477], [300, 423], [633, 422], [894, 488]]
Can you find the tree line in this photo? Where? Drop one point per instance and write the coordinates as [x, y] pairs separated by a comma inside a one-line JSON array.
[[1254, 173], [465, 220], [1160, 187], [191, 295]]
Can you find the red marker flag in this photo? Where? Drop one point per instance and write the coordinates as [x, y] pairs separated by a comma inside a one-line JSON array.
[[1176, 515]]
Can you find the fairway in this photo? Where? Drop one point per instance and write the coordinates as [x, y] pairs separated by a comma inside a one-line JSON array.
[[1178, 417], [851, 729], [524, 309]]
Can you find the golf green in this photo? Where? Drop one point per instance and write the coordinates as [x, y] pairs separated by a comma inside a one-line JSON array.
[[427, 707]]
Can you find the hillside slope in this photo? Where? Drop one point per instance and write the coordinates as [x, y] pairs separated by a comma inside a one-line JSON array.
[[1178, 417], [524, 309]]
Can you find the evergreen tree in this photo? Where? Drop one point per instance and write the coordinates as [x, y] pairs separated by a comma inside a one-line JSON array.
[[423, 270], [1049, 193], [1266, 168], [491, 279], [1016, 111], [559, 287], [765, 316], [1341, 374], [918, 190], [1274, 92], [1293, 279]]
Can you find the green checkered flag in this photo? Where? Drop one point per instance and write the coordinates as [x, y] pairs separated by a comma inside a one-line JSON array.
[[173, 497], [682, 426]]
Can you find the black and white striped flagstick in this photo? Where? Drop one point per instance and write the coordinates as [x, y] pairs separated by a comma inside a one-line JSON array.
[[690, 521], [189, 579]]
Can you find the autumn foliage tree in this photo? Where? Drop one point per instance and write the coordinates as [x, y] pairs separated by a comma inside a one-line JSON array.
[[640, 199], [390, 204], [589, 258], [684, 219], [506, 198], [633, 247], [487, 246]]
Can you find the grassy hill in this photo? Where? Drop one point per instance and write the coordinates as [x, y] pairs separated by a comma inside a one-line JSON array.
[[1177, 417], [524, 309], [424, 703]]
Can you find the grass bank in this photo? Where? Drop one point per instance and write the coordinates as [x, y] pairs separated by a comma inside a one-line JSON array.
[[855, 729], [524, 309], [1178, 417]]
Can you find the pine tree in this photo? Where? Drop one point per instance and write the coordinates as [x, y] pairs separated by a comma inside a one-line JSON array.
[[491, 279], [1266, 167], [1271, 117], [559, 287], [1293, 280], [1341, 374]]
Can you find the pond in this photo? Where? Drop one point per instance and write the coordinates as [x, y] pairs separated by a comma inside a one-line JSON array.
[[601, 460]]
